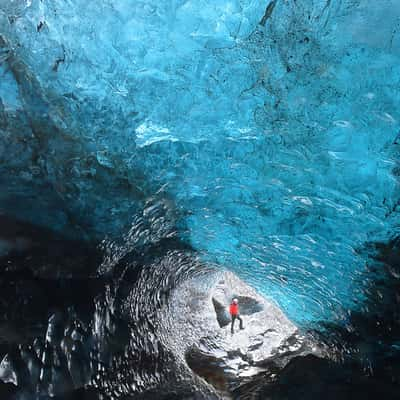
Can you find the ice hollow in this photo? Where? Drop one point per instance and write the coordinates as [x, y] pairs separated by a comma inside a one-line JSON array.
[[271, 127]]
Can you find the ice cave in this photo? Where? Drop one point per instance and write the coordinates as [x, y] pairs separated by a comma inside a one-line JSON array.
[[160, 158]]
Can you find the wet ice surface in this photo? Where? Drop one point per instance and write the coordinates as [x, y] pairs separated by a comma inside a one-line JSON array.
[[147, 323], [155, 324]]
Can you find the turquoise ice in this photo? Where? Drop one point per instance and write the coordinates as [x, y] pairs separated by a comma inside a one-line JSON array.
[[270, 127]]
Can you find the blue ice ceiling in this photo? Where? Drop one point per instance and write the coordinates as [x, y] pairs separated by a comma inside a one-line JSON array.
[[270, 127]]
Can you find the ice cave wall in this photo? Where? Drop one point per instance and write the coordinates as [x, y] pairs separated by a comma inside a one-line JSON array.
[[270, 125]]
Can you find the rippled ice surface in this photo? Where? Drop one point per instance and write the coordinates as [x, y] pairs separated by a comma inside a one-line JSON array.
[[288, 196], [275, 142]]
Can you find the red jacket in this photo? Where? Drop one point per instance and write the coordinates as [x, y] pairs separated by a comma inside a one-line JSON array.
[[234, 309]]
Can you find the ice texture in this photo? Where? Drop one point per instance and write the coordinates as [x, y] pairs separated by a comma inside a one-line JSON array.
[[272, 127]]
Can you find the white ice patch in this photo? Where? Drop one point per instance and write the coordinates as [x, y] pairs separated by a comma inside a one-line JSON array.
[[149, 133]]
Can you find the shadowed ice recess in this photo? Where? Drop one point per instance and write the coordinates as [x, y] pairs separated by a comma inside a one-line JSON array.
[[270, 127]]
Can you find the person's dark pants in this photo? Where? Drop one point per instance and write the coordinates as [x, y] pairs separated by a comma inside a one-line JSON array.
[[233, 321]]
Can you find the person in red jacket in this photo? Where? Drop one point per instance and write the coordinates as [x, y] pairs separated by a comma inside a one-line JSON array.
[[234, 311]]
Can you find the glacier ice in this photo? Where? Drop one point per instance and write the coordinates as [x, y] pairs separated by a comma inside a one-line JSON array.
[[275, 142]]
